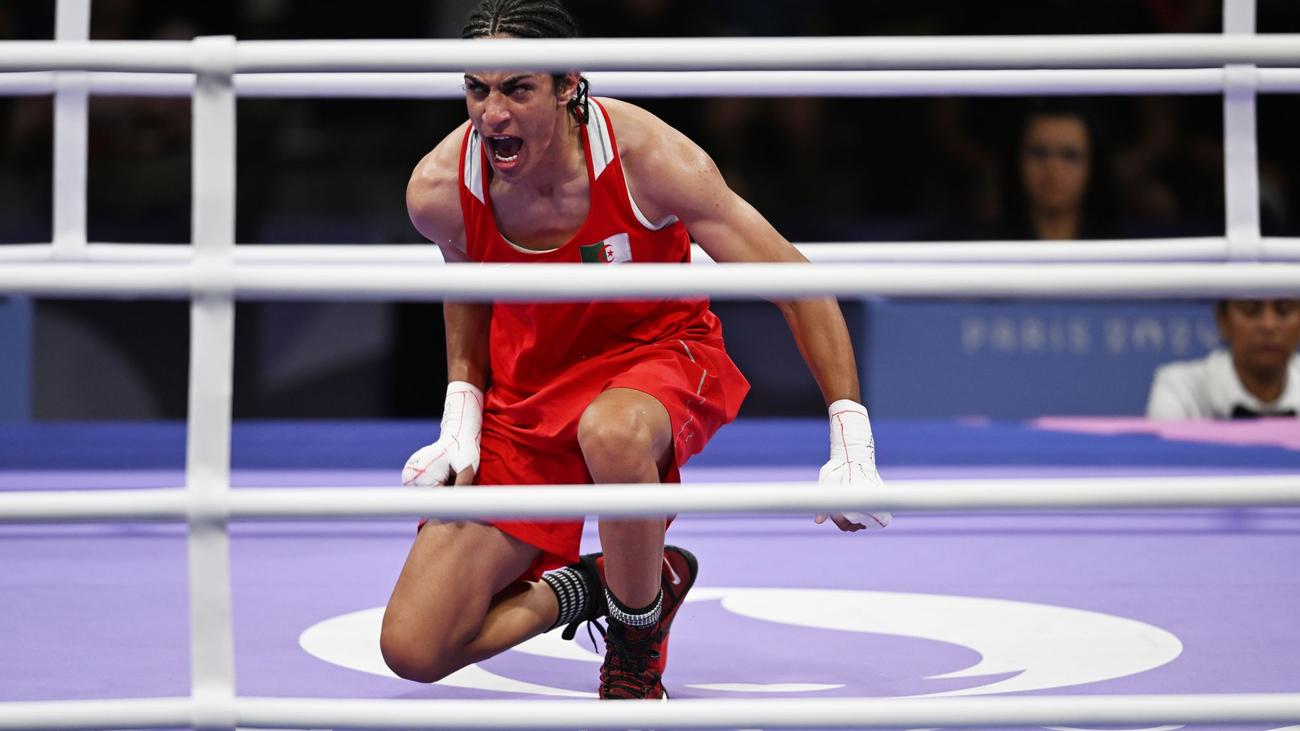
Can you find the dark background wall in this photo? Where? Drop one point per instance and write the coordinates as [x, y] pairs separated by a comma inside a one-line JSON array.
[[333, 171]]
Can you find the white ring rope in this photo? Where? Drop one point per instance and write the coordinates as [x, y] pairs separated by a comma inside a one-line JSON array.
[[542, 282], [920, 496], [1192, 249], [670, 54], [215, 272], [446, 85], [289, 713]]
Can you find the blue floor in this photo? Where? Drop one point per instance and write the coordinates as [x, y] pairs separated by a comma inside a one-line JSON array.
[[756, 443], [1133, 602]]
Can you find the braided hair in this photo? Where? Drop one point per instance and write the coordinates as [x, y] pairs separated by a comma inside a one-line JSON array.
[[530, 19]]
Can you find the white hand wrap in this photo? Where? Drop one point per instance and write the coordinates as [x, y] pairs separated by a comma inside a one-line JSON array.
[[457, 445], [853, 458]]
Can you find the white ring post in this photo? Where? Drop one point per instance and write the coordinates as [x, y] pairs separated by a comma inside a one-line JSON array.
[[1240, 146], [72, 23], [212, 324]]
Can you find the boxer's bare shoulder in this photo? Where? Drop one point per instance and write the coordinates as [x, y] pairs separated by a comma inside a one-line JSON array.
[[432, 197]]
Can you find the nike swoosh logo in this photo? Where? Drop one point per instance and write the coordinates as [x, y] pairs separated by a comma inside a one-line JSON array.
[[676, 579]]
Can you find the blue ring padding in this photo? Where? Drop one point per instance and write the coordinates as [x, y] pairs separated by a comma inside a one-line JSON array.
[[366, 445]]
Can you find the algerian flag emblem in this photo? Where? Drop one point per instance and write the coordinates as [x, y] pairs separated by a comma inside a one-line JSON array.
[[613, 250]]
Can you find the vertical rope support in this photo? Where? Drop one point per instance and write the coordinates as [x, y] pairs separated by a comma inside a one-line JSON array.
[[71, 24], [1240, 144], [212, 328]]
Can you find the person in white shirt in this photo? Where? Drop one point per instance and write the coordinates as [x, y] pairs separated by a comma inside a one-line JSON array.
[[1258, 375]]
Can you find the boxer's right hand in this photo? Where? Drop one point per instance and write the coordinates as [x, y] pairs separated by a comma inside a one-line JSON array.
[[456, 453]]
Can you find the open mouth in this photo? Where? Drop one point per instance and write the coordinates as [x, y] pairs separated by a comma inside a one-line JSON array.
[[505, 148]]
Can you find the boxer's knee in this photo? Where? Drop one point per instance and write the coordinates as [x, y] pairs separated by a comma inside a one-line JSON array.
[[443, 597], [622, 436], [414, 655]]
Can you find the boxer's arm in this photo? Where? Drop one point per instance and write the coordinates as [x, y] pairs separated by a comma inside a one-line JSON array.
[[670, 175], [467, 324], [433, 203]]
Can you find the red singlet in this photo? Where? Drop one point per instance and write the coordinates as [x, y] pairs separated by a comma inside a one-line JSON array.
[[549, 361]]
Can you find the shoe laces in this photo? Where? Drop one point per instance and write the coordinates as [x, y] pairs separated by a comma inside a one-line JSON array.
[[625, 673], [571, 630]]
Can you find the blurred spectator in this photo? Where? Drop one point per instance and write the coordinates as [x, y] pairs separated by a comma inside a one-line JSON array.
[[139, 148], [1060, 192], [25, 137], [1258, 375]]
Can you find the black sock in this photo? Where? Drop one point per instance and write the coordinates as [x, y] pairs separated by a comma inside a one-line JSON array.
[[572, 593], [647, 616]]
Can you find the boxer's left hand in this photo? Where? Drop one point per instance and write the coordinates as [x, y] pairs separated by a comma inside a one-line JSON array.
[[852, 464]]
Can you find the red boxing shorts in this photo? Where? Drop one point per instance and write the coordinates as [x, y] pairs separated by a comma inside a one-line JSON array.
[[533, 440]]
